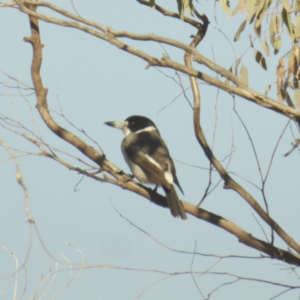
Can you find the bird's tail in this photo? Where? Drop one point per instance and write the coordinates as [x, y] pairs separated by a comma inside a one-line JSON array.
[[174, 203]]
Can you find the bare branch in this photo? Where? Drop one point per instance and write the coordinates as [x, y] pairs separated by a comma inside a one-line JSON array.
[[20, 181]]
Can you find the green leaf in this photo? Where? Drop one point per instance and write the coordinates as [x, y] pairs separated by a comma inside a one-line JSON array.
[[235, 11], [152, 3], [184, 5], [226, 7], [289, 100], [188, 6], [240, 30], [244, 75], [250, 10], [297, 98], [297, 6], [268, 88], [259, 58], [271, 31], [280, 97], [237, 62], [265, 46], [277, 25], [257, 24], [277, 44], [180, 9], [297, 29], [287, 21], [227, 81], [287, 5], [257, 27]]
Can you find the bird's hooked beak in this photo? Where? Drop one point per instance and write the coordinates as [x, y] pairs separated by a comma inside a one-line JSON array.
[[118, 124]]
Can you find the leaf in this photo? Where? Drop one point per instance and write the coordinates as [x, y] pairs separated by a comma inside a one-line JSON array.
[[297, 98], [272, 31], [180, 5], [242, 4], [251, 40], [277, 45], [184, 5], [240, 30], [226, 7], [297, 6], [250, 10], [287, 21], [259, 20], [289, 100], [235, 11], [290, 85], [260, 8], [268, 88], [260, 59], [244, 75], [265, 46], [227, 81], [188, 6], [279, 74], [277, 25], [257, 27], [292, 65], [152, 3], [287, 5], [237, 62], [297, 29], [297, 56], [280, 97]]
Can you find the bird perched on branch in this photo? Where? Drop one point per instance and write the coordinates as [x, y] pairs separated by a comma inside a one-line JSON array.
[[148, 158]]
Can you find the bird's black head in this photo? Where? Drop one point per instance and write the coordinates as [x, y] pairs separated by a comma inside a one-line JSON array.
[[136, 123]]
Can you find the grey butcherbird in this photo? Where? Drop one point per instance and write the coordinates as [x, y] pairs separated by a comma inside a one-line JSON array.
[[148, 158]]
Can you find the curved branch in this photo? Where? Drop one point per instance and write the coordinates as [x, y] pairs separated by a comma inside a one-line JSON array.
[[171, 14]]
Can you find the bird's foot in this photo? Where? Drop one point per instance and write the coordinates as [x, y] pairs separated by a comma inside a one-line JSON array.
[[129, 177]]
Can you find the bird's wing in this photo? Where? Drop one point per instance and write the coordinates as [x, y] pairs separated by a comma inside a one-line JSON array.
[[175, 176], [149, 152], [171, 166]]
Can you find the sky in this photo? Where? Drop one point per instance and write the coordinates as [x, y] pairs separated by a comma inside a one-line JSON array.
[[93, 240]]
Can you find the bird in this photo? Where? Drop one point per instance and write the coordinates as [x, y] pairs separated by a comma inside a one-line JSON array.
[[148, 158]]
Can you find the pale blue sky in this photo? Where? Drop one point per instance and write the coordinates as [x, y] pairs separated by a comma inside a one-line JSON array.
[[96, 82]]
